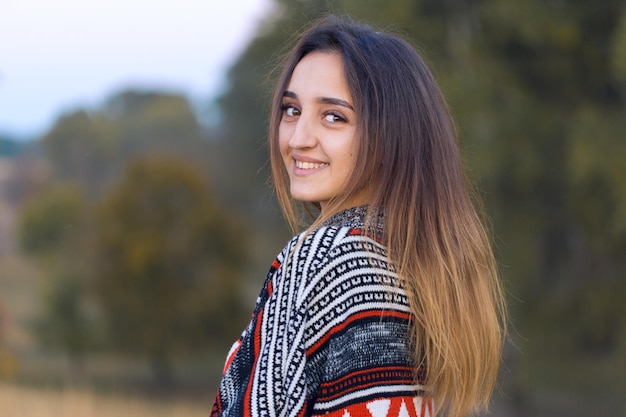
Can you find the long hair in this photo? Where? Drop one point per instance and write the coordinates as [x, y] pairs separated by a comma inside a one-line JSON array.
[[409, 155]]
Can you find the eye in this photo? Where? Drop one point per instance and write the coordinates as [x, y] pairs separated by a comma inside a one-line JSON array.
[[290, 111], [333, 118]]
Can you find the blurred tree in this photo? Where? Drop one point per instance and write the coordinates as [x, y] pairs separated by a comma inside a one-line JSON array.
[[557, 186], [49, 221], [28, 173], [91, 147], [168, 263], [63, 227], [148, 120], [81, 147], [52, 229], [67, 324]]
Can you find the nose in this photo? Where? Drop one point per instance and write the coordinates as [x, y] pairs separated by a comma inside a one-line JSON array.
[[304, 134]]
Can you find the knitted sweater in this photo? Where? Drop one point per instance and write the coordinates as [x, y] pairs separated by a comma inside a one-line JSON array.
[[328, 335]]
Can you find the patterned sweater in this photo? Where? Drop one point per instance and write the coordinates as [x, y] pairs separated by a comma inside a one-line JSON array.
[[328, 335]]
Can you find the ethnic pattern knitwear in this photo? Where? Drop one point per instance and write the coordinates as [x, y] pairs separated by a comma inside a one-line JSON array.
[[328, 336]]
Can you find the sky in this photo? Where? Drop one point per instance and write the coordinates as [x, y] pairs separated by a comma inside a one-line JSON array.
[[60, 55]]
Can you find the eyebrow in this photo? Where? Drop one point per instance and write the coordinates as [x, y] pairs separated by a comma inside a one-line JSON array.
[[325, 100]]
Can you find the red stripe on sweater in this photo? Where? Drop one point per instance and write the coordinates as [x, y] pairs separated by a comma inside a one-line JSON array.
[[257, 349], [363, 379]]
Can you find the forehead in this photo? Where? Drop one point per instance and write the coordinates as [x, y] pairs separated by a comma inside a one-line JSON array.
[[320, 74]]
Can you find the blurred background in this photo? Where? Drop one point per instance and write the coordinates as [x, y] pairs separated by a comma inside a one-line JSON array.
[[137, 223]]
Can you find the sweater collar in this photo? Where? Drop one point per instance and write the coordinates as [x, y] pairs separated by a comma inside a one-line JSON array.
[[356, 218]]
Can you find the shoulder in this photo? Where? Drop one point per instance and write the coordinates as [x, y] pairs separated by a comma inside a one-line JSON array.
[[334, 263], [354, 294], [326, 252], [329, 246], [338, 253]]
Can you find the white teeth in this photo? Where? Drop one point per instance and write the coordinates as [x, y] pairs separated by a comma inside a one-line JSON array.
[[309, 165]]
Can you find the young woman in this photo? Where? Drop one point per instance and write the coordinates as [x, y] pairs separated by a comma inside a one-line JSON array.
[[389, 303]]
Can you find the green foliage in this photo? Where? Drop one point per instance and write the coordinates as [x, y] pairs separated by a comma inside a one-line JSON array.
[[67, 326], [48, 222], [90, 147], [52, 226], [80, 147], [174, 254], [147, 120], [618, 62], [168, 261]]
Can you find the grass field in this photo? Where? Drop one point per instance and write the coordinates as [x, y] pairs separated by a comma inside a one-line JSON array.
[[17, 401]]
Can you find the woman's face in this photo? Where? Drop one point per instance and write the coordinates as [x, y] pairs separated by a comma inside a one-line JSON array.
[[317, 130]]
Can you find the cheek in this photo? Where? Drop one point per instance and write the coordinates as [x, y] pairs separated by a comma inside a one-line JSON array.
[[353, 152], [351, 161]]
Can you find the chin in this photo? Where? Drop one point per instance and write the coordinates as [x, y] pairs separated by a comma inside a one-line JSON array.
[[304, 199], [304, 196]]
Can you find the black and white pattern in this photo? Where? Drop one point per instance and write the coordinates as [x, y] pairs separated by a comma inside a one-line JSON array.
[[329, 329]]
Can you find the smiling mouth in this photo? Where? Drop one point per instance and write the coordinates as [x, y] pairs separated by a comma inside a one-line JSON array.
[[310, 165]]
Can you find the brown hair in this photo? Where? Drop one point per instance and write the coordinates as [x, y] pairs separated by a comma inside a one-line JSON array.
[[409, 156]]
